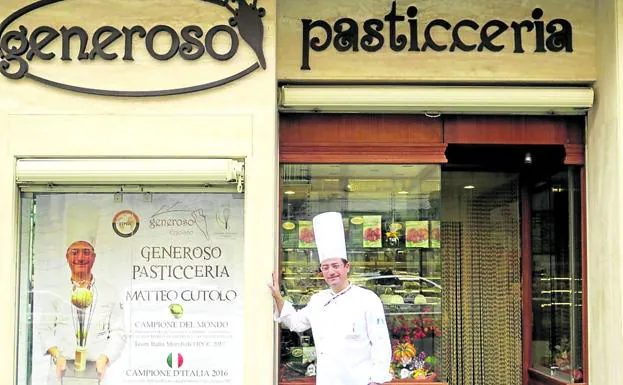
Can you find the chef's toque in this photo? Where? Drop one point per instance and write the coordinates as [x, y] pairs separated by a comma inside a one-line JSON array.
[[329, 234], [81, 222]]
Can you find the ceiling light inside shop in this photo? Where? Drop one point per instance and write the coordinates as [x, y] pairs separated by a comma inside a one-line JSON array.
[[469, 187], [403, 192], [289, 192]]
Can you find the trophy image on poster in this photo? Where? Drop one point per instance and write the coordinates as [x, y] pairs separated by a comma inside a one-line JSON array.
[[82, 313], [83, 301], [81, 237]]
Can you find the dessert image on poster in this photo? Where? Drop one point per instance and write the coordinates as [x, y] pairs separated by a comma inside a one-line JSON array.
[[355, 231], [435, 234], [289, 235], [306, 235], [372, 231], [416, 234]]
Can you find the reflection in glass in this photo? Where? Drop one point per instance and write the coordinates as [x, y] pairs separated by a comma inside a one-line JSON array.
[[392, 232], [556, 276], [481, 278]]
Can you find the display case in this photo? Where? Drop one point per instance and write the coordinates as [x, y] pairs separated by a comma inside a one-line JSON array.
[[392, 232], [556, 278]]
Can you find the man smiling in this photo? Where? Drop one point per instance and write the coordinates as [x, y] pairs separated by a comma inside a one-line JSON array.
[[79, 320], [347, 321], [80, 258]]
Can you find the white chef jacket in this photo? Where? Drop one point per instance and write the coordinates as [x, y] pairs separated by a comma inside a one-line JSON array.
[[53, 322], [350, 334]]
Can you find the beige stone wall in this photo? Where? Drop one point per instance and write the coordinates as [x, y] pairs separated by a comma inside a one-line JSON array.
[[431, 66], [238, 119], [605, 194]]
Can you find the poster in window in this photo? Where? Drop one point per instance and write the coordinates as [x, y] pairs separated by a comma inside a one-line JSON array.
[[417, 234], [143, 290]]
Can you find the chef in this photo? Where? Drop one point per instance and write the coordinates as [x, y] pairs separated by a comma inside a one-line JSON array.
[[56, 321], [347, 321]]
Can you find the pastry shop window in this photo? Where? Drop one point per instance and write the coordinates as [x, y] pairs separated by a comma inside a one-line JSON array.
[[391, 216], [513, 267], [462, 256], [126, 287], [557, 338]]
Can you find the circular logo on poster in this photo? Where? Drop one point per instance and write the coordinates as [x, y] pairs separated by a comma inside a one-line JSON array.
[[356, 220], [288, 226], [125, 223]]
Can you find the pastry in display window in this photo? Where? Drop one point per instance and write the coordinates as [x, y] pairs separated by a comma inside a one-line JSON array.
[[391, 249]]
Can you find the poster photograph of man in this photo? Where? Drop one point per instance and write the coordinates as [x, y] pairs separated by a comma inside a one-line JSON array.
[[78, 316], [96, 321]]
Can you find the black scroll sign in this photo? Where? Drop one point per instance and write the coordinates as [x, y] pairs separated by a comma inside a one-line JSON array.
[[247, 18]]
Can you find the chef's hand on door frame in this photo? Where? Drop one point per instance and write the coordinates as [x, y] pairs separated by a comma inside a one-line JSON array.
[[276, 293]]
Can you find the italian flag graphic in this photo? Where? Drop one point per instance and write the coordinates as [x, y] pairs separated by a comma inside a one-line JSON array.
[[175, 360]]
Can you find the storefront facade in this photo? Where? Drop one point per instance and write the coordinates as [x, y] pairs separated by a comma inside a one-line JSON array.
[[287, 94], [236, 121]]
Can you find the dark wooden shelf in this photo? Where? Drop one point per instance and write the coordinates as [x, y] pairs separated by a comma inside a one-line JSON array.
[[537, 377], [312, 380]]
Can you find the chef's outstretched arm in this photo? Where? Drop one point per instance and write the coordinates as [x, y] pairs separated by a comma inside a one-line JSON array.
[[297, 321], [276, 293], [380, 343]]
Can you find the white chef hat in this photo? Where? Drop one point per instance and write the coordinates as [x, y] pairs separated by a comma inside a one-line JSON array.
[[81, 222], [329, 235]]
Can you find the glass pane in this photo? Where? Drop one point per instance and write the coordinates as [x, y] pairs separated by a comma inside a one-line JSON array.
[[26, 270], [575, 256], [557, 274], [392, 231], [131, 288], [481, 277]]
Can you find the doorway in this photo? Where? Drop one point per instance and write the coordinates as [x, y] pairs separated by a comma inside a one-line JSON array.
[[481, 259], [512, 265]]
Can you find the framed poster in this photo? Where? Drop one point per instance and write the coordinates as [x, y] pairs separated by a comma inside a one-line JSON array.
[[135, 288]]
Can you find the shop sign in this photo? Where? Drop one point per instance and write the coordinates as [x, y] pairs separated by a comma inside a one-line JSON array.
[[436, 41], [20, 46], [554, 35]]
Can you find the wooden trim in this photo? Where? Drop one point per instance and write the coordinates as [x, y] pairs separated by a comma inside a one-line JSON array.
[[312, 381], [386, 138], [372, 129], [344, 138], [574, 154], [539, 378], [585, 371], [576, 129], [413, 154], [518, 130], [526, 280], [299, 381], [505, 130]]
